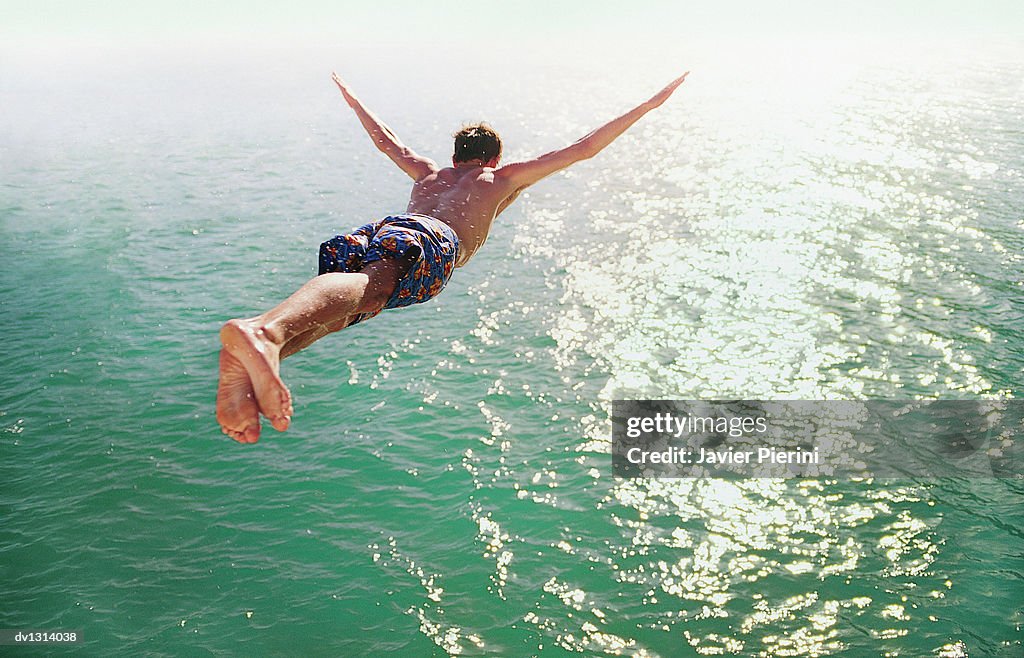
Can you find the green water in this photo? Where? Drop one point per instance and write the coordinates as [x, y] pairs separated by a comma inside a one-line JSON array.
[[806, 227]]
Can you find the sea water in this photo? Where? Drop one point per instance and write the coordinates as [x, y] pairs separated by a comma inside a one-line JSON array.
[[804, 223]]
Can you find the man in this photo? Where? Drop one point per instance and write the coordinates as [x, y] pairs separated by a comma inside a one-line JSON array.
[[400, 260]]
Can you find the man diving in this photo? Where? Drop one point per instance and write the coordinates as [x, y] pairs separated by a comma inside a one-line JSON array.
[[397, 261]]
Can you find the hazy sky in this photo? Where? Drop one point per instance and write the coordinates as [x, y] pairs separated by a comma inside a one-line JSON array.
[[480, 24]]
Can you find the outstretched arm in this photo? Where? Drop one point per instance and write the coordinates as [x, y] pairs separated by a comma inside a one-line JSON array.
[[522, 174], [407, 160]]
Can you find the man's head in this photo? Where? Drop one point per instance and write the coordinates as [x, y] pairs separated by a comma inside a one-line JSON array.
[[477, 142]]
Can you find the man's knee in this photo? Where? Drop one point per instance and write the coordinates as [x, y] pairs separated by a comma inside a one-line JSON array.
[[384, 276], [374, 299]]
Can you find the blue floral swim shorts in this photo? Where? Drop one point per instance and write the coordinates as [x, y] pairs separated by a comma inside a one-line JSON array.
[[429, 244]]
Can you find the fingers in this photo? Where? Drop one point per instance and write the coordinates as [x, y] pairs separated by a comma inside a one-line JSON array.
[[663, 95], [672, 86], [678, 81]]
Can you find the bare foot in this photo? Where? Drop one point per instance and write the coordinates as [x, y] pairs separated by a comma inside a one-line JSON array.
[[237, 413], [261, 359]]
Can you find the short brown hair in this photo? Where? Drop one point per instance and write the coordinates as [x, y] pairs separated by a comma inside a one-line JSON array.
[[477, 142]]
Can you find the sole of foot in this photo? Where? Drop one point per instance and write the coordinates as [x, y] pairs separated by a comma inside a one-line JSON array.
[[260, 358]]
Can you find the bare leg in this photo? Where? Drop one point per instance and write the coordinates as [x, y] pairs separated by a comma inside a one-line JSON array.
[[323, 305]]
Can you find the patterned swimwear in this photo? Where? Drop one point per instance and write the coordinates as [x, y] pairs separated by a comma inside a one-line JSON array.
[[429, 244]]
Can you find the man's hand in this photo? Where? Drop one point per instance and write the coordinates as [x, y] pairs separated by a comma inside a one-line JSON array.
[[662, 96], [341, 85]]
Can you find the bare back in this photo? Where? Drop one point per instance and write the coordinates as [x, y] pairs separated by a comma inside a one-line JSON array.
[[467, 198]]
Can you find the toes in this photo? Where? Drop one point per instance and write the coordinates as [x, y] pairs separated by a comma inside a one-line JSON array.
[[285, 413], [251, 434], [242, 438]]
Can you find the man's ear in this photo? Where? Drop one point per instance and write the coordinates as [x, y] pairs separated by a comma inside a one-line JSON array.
[[493, 162]]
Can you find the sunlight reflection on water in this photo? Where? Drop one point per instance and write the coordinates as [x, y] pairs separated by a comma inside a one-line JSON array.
[[794, 241]]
